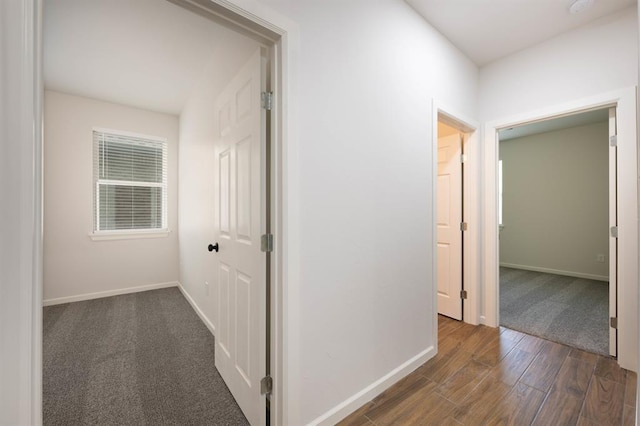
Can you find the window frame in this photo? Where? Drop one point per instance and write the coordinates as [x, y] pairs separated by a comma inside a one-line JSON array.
[[117, 234]]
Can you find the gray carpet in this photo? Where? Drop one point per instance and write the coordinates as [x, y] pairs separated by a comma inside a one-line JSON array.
[[567, 310], [138, 359]]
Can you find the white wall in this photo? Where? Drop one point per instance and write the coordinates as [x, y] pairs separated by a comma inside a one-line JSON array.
[[74, 265], [591, 60], [364, 120], [367, 73], [555, 201]]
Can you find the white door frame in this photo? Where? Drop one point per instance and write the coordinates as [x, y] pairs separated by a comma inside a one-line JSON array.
[[283, 33], [470, 183], [625, 102], [21, 188], [251, 16]]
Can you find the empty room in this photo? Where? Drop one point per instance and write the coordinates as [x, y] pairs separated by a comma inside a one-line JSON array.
[[130, 210], [554, 230]]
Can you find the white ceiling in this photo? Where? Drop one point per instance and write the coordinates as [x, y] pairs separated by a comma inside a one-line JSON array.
[[486, 30], [142, 53], [550, 125]]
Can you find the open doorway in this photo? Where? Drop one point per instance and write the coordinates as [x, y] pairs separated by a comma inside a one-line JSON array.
[[449, 217], [624, 101], [456, 165], [130, 79], [557, 257]]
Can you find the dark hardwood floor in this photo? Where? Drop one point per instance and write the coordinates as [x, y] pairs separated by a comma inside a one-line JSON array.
[[487, 376]]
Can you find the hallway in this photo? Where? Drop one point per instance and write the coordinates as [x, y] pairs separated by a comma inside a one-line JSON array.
[[487, 376]]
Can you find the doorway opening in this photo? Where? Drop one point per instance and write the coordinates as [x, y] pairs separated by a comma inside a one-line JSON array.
[[260, 169], [624, 102], [455, 215], [556, 205], [449, 221]]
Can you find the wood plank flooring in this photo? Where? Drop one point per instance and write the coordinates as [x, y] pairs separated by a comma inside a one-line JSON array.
[[487, 376]]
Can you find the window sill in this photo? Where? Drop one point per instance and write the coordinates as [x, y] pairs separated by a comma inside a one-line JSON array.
[[128, 235]]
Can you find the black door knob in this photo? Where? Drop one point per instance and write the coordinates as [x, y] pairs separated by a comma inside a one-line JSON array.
[[213, 247]]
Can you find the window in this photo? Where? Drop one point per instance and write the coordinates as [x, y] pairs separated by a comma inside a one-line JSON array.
[[130, 182]]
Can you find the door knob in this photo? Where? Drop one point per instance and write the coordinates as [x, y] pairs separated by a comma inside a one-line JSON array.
[[213, 247]]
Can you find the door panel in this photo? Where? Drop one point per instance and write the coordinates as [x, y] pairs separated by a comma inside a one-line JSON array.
[[613, 242], [448, 219], [243, 321], [224, 193], [222, 336], [240, 354], [443, 269], [243, 187]]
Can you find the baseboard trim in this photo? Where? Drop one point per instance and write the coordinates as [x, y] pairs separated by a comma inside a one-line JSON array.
[[556, 272], [194, 305], [342, 410], [108, 293]]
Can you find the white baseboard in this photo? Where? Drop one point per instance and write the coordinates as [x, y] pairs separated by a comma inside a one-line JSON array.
[[483, 320], [556, 272], [356, 401], [194, 305], [108, 293]]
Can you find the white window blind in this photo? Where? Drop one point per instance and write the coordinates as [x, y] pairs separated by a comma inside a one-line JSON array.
[[130, 182]]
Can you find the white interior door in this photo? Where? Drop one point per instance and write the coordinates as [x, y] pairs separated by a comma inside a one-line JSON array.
[[613, 242], [448, 219], [241, 269]]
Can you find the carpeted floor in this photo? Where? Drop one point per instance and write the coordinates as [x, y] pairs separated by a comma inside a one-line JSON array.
[[137, 359], [567, 310]]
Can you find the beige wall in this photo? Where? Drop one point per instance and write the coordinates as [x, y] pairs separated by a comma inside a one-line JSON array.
[[196, 198], [556, 201], [197, 169], [74, 265]]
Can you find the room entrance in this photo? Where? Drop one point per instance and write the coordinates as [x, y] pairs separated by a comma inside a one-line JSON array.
[[456, 160], [557, 206], [210, 75]]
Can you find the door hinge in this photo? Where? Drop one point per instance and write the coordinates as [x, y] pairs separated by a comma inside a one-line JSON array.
[[614, 231], [266, 385], [613, 141], [614, 322], [463, 294], [267, 100], [463, 226], [463, 158], [266, 243]]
